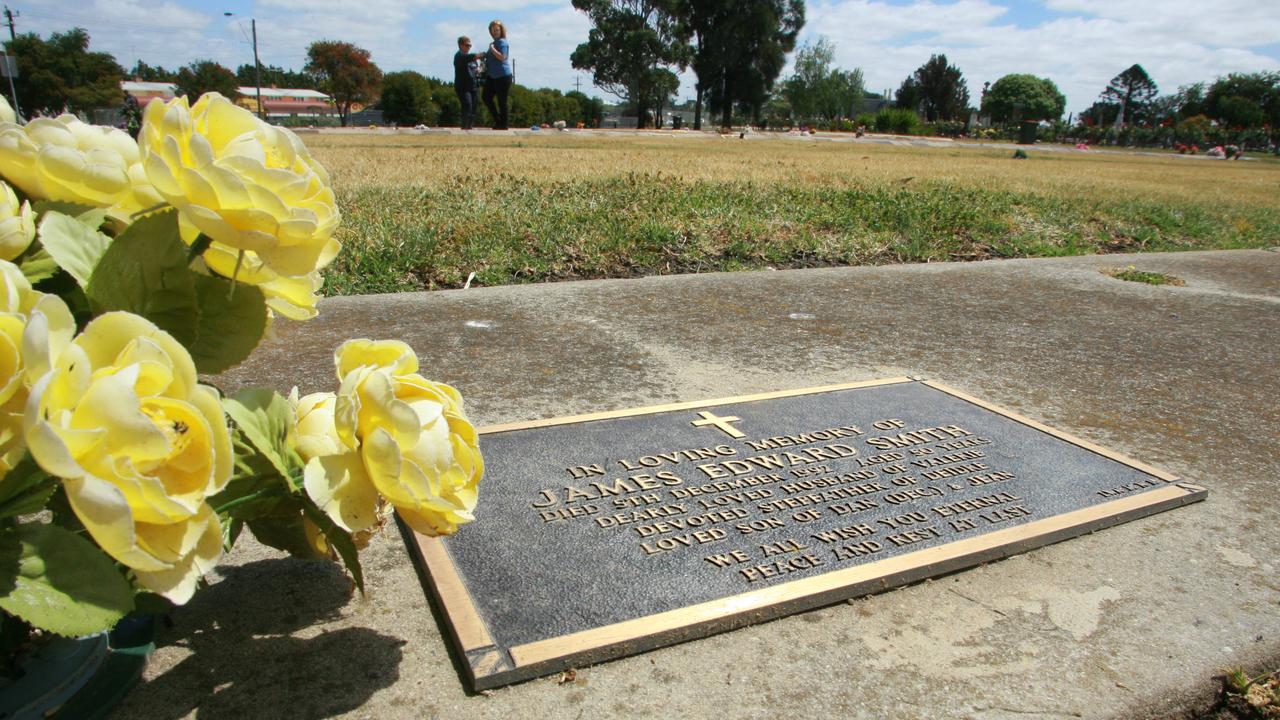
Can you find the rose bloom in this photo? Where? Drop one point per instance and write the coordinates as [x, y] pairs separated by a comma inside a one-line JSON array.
[[293, 297], [389, 433], [65, 159], [17, 224], [34, 328], [139, 445], [6, 111], [247, 185]]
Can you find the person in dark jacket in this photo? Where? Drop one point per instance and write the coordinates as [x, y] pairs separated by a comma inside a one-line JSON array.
[[464, 81], [500, 72]]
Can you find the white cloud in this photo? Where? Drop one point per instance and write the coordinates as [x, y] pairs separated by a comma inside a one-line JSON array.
[[1080, 45], [1176, 42]]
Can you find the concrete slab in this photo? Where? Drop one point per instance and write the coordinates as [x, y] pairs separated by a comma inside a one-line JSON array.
[[1129, 622]]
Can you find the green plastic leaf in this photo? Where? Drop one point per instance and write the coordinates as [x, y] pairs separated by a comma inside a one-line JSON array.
[[267, 421], [74, 246], [61, 206], [145, 272], [60, 581], [284, 530], [233, 319], [37, 264], [92, 218], [25, 489], [340, 539]]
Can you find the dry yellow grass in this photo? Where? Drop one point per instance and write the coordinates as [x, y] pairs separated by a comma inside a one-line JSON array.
[[432, 160]]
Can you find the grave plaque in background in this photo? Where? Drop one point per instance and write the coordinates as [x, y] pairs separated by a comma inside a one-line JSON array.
[[604, 535]]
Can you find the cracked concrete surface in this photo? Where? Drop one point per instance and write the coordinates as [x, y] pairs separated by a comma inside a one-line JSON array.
[[1132, 621]]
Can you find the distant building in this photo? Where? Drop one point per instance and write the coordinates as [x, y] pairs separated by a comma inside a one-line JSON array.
[[283, 102], [143, 92], [279, 102]]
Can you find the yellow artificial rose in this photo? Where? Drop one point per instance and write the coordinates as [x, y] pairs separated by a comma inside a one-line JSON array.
[[293, 297], [247, 185], [6, 111], [17, 224], [139, 445], [65, 159], [397, 435], [34, 328]]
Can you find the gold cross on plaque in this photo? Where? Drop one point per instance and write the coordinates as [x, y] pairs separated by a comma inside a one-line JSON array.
[[720, 422]]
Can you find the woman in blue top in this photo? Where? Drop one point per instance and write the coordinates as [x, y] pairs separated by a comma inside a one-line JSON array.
[[500, 75]]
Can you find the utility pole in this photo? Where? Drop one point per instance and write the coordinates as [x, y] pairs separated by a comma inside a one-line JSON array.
[[577, 83], [9, 16], [257, 68], [11, 62]]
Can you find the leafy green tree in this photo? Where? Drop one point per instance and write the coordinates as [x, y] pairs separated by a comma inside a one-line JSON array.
[[937, 90], [590, 110], [632, 46], [1229, 98], [203, 76], [1131, 92], [406, 99], [741, 49], [1017, 97], [61, 74], [818, 91], [1101, 113], [345, 73], [147, 73], [1191, 100], [908, 95], [278, 77]]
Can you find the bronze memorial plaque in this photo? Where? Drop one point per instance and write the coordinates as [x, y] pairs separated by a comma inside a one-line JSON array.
[[604, 535]]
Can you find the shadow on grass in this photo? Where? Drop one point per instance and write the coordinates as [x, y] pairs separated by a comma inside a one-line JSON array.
[[246, 661]]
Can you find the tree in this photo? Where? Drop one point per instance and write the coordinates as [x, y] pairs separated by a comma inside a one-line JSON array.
[[1023, 97], [61, 74], [278, 77], [816, 90], [908, 96], [146, 73], [632, 46], [1229, 98], [344, 72], [936, 90], [1191, 100], [1101, 113], [203, 76], [590, 110], [406, 99], [741, 49], [1132, 92]]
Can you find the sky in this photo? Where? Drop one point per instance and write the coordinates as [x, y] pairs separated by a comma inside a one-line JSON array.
[[1079, 44]]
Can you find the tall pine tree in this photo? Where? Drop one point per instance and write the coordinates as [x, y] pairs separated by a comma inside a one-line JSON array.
[[1132, 90]]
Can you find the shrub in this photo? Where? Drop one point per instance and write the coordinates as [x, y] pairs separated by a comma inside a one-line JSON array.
[[897, 121]]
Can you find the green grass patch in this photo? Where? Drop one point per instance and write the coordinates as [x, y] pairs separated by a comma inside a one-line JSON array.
[[511, 229], [1132, 274]]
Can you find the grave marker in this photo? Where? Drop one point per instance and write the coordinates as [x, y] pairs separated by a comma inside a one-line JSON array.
[[604, 535]]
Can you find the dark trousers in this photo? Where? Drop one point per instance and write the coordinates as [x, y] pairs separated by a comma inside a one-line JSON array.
[[498, 87], [467, 98]]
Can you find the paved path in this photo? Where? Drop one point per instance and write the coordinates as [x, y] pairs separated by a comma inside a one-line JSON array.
[[1132, 621]]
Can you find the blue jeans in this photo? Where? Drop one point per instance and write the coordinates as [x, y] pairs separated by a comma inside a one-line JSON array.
[[467, 98]]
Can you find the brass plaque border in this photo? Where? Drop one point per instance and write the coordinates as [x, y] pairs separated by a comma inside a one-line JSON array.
[[489, 666]]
